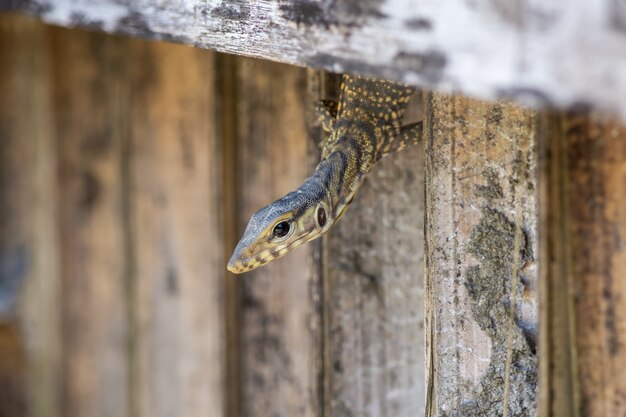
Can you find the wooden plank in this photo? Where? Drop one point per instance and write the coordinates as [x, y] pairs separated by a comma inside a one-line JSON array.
[[584, 289], [374, 294], [280, 319], [92, 105], [546, 52], [558, 381], [29, 275], [480, 208], [226, 102], [176, 233]]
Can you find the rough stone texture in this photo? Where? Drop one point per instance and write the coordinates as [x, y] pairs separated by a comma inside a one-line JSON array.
[[545, 52], [479, 172]]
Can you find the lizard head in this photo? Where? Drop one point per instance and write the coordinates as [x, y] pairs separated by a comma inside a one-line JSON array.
[[279, 228]]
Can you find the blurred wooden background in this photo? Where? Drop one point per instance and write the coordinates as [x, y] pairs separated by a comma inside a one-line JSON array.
[[128, 169]]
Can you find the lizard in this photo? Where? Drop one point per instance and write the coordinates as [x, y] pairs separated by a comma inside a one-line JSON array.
[[364, 125]]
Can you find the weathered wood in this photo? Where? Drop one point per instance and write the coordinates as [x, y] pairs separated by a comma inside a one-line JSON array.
[[280, 319], [583, 207], [557, 372], [176, 233], [29, 276], [374, 295], [479, 189], [549, 52], [92, 107], [226, 102]]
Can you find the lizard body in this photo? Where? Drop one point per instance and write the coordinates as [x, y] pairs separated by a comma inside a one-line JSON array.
[[363, 126]]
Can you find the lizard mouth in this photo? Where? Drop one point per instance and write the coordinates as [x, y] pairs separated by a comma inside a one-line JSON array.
[[237, 265]]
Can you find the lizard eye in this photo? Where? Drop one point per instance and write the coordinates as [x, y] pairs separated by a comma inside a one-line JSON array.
[[281, 229], [321, 217]]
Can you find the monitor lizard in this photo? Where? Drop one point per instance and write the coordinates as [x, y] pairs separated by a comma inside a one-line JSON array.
[[363, 126]]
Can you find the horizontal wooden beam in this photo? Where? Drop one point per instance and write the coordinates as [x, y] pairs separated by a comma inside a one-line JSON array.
[[551, 53]]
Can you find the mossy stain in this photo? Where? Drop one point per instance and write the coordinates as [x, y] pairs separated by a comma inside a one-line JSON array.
[[492, 243]]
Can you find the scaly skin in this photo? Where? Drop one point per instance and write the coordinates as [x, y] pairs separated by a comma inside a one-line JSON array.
[[364, 126]]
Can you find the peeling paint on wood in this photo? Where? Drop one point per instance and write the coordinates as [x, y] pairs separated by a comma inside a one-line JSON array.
[[545, 53]]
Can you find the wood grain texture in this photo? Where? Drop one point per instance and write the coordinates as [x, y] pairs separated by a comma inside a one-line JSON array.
[[584, 285], [92, 106], [280, 319], [558, 395], [176, 233], [226, 81], [374, 295], [29, 275], [479, 171], [550, 52]]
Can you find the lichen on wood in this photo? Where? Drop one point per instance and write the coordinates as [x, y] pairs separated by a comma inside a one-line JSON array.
[[480, 182], [492, 240]]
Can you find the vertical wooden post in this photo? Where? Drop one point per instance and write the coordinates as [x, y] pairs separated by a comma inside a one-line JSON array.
[[176, 233], [29, 276], [583, 209], [92, 115], [374, 295], [479, 184], [279, 318], [226, 82]]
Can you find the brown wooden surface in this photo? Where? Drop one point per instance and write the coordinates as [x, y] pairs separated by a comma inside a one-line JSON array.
[[279, 318], [227, 68], [584, 207], [176, 233], [140, 185], [29, 278], [479, 174], [91, 78], [374, 294], [126, 168], [139, 244], [558, 395]]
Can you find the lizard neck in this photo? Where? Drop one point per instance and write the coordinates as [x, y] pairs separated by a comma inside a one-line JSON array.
[[342, 170]]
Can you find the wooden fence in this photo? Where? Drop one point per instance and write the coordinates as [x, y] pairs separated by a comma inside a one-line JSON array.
[[478, 275], [128, 171]]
